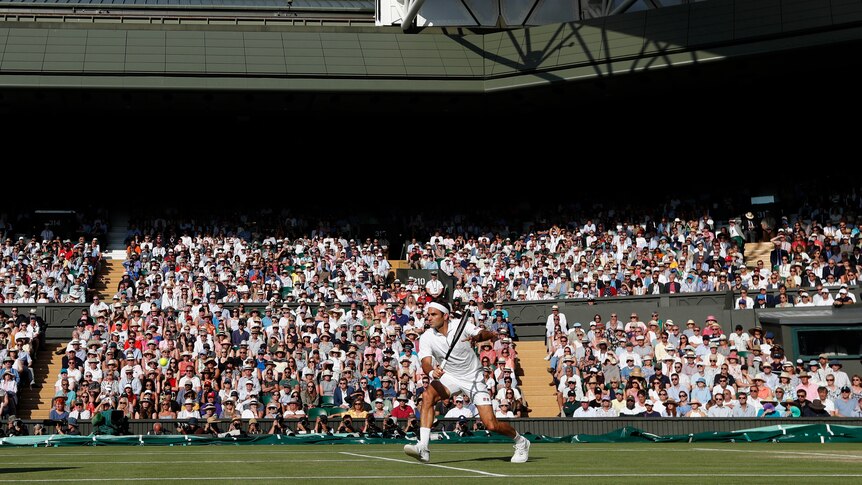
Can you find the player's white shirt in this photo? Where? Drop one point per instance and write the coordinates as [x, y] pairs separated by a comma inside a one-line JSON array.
[[463, 362]]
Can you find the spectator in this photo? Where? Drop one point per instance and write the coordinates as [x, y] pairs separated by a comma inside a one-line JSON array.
[[815, 409], [504, 410], [769, 411], [403, 410], [59, 412], [718, 408], [460, 410], [696, 411], [584, 411], [743, 409]]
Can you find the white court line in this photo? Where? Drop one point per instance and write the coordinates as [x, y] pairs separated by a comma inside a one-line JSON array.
[[812, 453], [370, 477], [279, 477], [426, 464], [170, 462]]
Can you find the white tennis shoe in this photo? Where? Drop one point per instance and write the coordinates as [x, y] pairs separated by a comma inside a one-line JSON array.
[[522, 451], [419, 452]]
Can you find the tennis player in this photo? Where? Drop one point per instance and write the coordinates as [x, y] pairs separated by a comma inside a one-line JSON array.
[[463, 374]]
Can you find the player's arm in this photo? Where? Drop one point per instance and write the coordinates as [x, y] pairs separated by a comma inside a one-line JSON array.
[[483, 335], [426, 358], [430, 370], [427, 366]]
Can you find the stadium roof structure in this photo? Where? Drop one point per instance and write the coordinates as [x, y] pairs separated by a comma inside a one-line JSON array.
[[78, 54], [332, 5], [338, 53]]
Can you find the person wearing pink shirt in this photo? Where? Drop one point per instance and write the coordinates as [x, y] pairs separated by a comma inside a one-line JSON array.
[[806, 385]]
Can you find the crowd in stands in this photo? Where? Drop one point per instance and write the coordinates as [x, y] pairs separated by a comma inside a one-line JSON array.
[[663, 368], [177, 342], [20, 338], [670, 256], [48, 268], [86, 222], [55, 271], [210, 362], [606, 249], [42, 268]]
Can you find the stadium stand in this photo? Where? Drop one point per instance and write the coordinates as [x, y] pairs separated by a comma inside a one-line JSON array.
[[182, 336], [44, 268]]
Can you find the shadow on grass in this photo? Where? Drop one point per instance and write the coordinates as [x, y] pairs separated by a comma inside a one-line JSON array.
[[35, 469], [487, 458]]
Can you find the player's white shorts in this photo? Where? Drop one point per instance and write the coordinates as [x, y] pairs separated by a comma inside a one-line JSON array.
[[475, 387]]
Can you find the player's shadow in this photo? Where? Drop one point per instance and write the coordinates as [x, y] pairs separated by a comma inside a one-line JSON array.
[[35, 469], [490, 458]]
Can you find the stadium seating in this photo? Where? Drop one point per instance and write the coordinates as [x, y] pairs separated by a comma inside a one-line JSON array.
[[181, 308]]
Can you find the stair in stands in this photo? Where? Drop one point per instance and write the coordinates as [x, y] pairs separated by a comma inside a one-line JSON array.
[[755, 252], [115, 254], [119, 230], [109, 278], [36, 403], [535, 381]]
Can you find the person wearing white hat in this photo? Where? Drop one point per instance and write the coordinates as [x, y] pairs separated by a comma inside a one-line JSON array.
[[459, 409], [434, 287], [843, 298], [823, 298], [584, 411], [555, 318], [505, 410], [848, 293], [804, 300], [188, 410]]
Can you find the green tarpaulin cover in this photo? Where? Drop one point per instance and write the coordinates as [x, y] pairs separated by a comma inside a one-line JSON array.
[[812, 433]]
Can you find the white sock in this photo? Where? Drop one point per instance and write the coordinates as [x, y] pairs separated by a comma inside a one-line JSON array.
[[424, 436], [518, 438]]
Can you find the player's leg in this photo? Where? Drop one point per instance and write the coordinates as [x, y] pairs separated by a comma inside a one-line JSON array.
[[486, 414], [433, 394], [482, 399], [522, 445]]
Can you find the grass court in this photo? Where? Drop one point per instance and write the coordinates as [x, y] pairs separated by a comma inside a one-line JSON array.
[[664, 463]]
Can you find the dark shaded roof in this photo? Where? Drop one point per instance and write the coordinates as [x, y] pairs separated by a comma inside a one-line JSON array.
[[333, 5]]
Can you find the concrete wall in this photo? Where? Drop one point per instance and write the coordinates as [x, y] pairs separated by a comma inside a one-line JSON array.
[[528, 317]]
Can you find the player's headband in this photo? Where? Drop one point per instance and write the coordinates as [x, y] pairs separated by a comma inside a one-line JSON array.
[[438, 306]]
